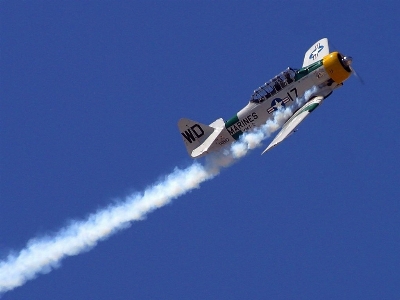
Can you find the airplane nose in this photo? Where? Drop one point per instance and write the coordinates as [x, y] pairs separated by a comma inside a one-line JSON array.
[[347, 60]]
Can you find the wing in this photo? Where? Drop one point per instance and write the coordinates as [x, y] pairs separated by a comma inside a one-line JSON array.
[[316, 52], [294, 121]]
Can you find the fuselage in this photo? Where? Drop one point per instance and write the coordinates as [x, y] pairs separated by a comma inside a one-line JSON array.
[[326, 75]]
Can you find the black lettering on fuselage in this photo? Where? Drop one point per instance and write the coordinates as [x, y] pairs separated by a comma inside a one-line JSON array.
[[244, 124]]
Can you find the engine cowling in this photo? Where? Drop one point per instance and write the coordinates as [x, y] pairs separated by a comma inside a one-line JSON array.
[[337, 66]]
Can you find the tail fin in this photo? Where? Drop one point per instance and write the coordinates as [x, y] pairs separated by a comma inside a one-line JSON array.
[[199, 138], [316, 52]]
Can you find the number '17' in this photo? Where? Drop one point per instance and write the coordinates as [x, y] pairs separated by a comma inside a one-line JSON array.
[[291, 91]]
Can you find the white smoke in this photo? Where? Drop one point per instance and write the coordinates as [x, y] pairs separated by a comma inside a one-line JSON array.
[[41, 255], [254, 138]]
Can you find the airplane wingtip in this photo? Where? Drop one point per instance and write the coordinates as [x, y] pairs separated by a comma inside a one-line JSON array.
[[268, 148]]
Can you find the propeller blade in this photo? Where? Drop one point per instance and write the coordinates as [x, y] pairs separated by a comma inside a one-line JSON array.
[[356, 74]]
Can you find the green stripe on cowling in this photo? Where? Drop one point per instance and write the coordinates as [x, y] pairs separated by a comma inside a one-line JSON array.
[[307, 70]]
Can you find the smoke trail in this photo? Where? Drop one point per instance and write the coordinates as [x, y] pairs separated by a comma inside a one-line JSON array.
[[41, 255], [254, 138]]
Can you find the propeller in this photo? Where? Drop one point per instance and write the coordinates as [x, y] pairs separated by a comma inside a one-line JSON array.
[[358, 76], [347, 61]]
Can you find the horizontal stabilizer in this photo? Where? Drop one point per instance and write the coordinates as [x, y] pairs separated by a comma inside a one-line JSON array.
[[291, 124], [219, 123], [203, 148]]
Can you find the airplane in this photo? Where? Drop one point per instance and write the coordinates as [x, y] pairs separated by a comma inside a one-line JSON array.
[[322, 69]]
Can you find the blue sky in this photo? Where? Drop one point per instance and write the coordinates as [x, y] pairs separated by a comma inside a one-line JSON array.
[[91, 93]]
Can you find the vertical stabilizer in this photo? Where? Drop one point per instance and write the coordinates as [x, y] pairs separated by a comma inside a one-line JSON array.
[[194, 134], [201, 139], [316, 52]]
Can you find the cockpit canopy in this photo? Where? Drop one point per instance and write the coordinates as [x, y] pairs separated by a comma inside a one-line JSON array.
[[273, 86]]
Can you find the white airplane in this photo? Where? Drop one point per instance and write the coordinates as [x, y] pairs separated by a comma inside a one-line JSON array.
[[322, 69]]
